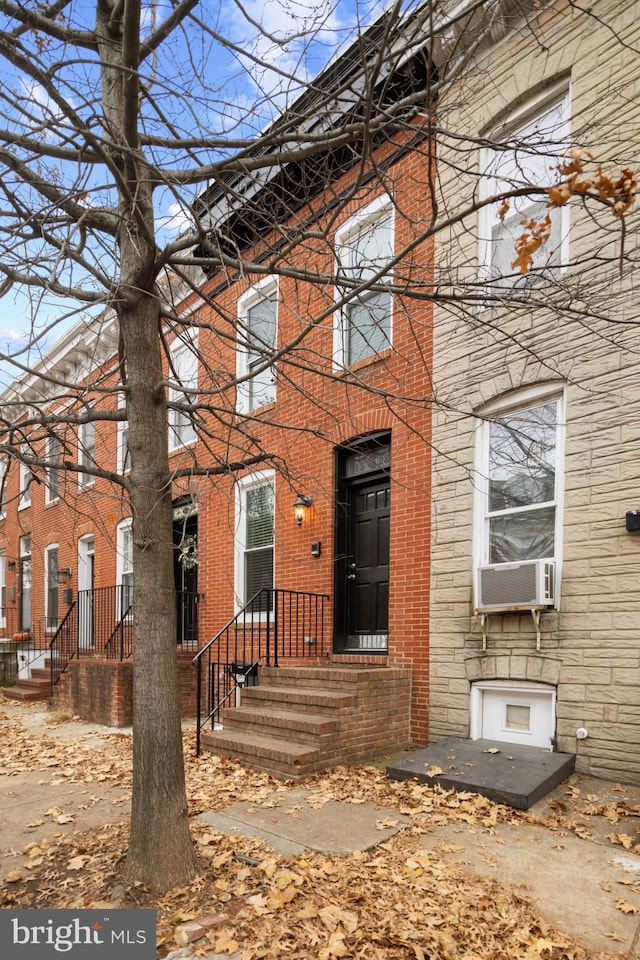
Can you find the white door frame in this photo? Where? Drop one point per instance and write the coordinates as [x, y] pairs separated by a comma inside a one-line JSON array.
[[86, 551], [513, 687]]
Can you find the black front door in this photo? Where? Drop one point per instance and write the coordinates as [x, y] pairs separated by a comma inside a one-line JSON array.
[[185, 540], [363, 513], [368, 566]]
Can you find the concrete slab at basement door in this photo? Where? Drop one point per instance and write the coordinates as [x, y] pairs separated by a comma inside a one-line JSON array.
[[505, 772]]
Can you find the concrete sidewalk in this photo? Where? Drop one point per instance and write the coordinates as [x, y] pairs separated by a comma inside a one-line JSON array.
[[587, 886], [578, 885]]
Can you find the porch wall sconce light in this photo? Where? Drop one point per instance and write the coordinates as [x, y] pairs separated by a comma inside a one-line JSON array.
[[300, 507], [64, 574], [11, 564]]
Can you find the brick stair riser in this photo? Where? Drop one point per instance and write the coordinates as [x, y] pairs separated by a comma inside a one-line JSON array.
[[268, 761], [319, 734], [314, 700], [40, 673], [331, 678], [26, 693], [35, 682]]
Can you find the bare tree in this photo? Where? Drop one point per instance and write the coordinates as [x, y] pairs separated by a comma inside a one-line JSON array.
[[109, 112]]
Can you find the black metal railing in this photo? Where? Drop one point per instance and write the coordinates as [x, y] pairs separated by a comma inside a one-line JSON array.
[[32, 644], [63, 646], [100, 622], [274, 625], [187, 610]]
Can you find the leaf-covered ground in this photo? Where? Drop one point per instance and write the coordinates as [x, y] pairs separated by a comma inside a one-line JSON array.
[[395, 901]]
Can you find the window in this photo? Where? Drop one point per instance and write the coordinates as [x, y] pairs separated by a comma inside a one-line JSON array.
[[123, 458], [364, 247], [124, 568], [528, 148], [26, 476], [86, 452], [52, 481], [521, 476], [255, 538], [257, 332], [184, 364], [51, 586]]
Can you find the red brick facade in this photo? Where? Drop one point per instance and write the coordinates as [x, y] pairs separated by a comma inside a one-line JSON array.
[[317, 409]]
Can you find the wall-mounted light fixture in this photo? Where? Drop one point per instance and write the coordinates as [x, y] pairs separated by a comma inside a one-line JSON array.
[[11, 564], [64, 574], [300, 507]]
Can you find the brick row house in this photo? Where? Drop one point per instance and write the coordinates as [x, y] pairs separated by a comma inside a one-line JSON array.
[[330, 520], [461, 567]]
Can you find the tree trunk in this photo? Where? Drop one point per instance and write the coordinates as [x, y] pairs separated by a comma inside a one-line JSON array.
[[161, 853]]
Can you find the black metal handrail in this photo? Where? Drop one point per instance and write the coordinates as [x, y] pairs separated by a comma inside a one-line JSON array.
[[274, 624], [119, 646], [63, 646]]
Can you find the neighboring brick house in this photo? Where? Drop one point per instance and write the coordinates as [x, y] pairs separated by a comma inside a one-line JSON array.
[[343, 418], [536, 456]]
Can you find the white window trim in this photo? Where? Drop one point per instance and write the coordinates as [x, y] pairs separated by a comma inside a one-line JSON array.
[[261, 290], [25, 477], [186, 343], [257, 479], [85, 458], [48, 498], [520, 400], [121, 530], [47, 550], [122, 440], [517, 119], [376, 210]]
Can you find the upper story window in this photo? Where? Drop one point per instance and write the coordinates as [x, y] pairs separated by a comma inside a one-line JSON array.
[[520, 469], [257, 340], [184, 371], [254, 547], [123, 458], [364, 248], [86, 452], [528, 146], [52, 479], [25, 478]]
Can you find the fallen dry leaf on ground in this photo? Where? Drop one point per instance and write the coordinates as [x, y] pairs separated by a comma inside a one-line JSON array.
[[395, 902]]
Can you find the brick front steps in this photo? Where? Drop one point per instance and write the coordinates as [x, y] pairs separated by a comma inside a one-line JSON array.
[[301, 719], [35, 687]]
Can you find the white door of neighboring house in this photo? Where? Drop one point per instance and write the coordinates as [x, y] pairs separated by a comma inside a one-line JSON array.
[[514, 712], [86, 548]]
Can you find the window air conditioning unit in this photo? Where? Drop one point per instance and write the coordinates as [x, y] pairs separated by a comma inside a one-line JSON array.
[[515, 586]]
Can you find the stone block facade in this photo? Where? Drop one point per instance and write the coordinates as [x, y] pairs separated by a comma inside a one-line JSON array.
[[573, 333]]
